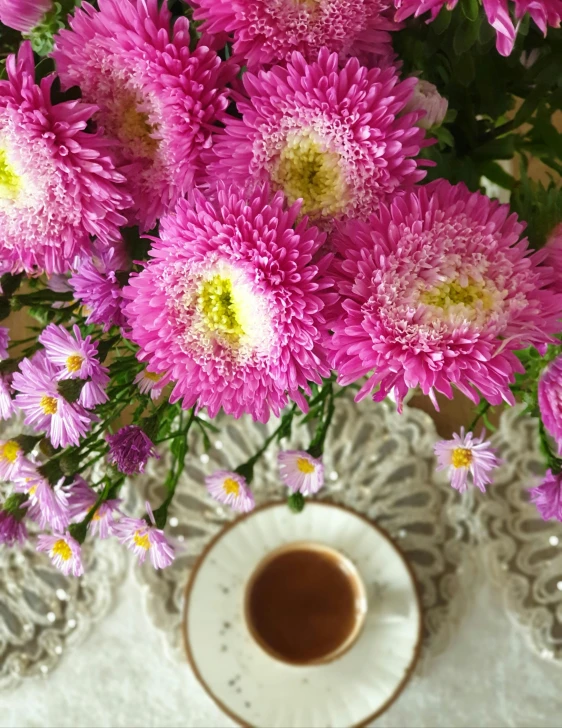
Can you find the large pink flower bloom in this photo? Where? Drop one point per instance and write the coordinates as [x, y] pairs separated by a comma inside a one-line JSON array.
[[231, 306], [58, 184], [553, 259], [155, 97], [550, 399], [331, 137], [438, 290], [267, 31], [23, 15]]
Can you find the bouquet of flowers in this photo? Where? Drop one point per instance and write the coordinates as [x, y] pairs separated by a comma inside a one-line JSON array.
[[249, 205]]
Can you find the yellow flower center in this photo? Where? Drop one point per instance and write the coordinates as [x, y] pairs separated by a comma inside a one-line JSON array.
[[230, 486], [306, 170], [74, 363], [461, 457], [96, 516], [9, 451], [452, 293], [48, 405], [305, 466], [10, 181], [131, 126], [152, 376], [62, 549], [141, 540], [32, 489], [219, 307]]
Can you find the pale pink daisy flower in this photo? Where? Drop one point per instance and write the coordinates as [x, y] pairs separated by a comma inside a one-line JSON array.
[[150, 382], [23, 15], [231, 306], [82, 498], [58, 184], [336, 138], [4, 341], [300, 472], [438, 290], [467, 457], [266, 31], [142, 538], [47, 504], [13, 462], [550, 399], [65, 552], [157, 98], [12, 513], [548, 496], [427, 98], [96, 285], [230, 488], [7, 407], [45, 409]]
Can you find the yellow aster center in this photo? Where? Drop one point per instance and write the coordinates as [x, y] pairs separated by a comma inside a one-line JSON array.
[[48, 405], [32, 489], [74, 363], [306, 170], [461, 457], [231, 487], [9, 451], [152, 376], [305, 466], [219, 307], [10, 181], [141, 540], [452, 293], [62, 549], [130, 125]]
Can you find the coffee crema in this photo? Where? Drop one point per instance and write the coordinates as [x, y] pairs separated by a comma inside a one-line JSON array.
[[305, 604]]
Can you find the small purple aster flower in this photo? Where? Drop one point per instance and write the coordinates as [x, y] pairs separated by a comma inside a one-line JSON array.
[[231, 489], [129, 449], [81, 498], [13, 463], [548, 496], [64, 551], [550, 399], [48, 506], [141, 538], [95, 284], [23, 15], [300, 472], [75, 357], [12, 528], [150, 382], [7, 408], [465, 455], [43, 405], [4, 340]]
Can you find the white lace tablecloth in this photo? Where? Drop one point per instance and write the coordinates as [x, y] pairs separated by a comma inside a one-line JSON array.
[[490, 574]]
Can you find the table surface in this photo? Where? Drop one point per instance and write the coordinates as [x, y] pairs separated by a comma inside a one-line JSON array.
[[121, 676]]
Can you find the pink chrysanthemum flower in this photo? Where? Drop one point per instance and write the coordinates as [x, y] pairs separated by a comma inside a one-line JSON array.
[[230, 488], [47, 505], [300, 472], [58, 184], [4, 341], [157, 98], [23, 15], [466, 456], [231, 305], [438, 290], [550, 399], [7, 407], [64, 551], [142, 538], [335, 138], [427, 98], [266, 31], [150, 382], [43, 405], [95, 284], [553, 258], [548, 496]]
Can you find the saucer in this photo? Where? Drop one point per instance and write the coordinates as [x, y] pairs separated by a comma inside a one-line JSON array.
[[255, 689]]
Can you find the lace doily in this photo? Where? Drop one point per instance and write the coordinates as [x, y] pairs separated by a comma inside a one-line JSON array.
[[42, 612], [376, 461]]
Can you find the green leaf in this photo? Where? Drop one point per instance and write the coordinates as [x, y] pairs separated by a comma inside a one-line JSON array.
[[497, 174], [442, 21], [470, 9], [465, 70], [466, 36]]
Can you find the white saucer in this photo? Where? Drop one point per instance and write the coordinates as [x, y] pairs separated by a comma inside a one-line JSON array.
[[254, 688]]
